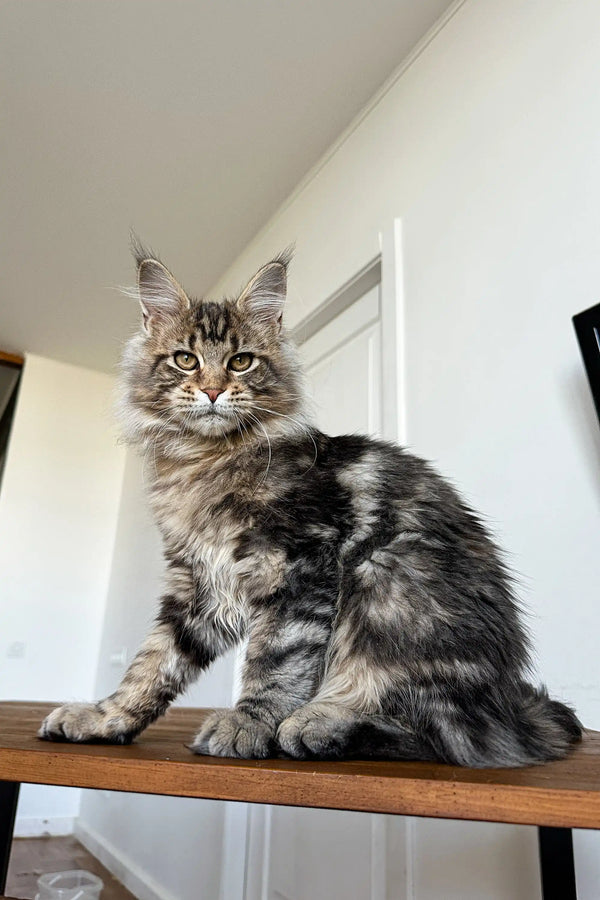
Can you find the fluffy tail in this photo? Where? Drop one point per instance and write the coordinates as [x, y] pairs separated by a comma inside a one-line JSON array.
[[528, 730], [543, 729]]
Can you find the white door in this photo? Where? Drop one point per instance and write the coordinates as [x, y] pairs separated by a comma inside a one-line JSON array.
[[343, 364], [314, 854]]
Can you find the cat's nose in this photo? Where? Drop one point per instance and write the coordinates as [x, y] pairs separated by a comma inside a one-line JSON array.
[[211, 393]]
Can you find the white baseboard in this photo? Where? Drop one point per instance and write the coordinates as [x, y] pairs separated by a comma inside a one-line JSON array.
[[32, 826], [128, 873]]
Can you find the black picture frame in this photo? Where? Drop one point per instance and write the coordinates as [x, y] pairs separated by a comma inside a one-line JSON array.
[[587, 329]]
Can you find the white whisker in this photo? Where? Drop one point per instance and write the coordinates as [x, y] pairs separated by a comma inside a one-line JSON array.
[[304, 428], [264, 430]]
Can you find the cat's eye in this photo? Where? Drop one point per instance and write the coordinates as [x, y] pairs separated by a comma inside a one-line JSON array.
[[186, 361], [241, 362]]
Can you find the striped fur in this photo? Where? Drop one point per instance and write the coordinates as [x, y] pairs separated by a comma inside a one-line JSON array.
[[380, 619]]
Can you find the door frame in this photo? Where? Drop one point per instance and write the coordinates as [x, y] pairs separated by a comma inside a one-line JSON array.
[[387, 270], [247, 828]]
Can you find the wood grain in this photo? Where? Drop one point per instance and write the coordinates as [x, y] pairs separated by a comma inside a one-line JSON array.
[[564, 793]]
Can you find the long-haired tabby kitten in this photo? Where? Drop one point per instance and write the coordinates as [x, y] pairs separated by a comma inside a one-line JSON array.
[[379, 616]]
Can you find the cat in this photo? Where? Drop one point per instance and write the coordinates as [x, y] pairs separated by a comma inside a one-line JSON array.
[[380, 619]]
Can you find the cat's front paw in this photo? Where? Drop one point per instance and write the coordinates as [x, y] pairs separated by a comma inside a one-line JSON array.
[[233, 733], [316, 731], [84, 722]]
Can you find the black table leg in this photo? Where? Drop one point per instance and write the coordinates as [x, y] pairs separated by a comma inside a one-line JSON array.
[[9, 794], [557, 864]]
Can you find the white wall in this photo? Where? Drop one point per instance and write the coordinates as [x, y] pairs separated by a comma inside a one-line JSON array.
[[159, 846], [488, 148], [58, 508]]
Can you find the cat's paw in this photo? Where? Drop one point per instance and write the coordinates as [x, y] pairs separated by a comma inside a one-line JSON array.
[[233, 733], [85, 722], [315, 732]]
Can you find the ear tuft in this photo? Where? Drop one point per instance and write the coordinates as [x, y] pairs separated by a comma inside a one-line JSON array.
[[264, 296], [160, 294]]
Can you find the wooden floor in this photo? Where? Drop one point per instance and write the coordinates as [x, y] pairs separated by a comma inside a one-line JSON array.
[[32, 857]]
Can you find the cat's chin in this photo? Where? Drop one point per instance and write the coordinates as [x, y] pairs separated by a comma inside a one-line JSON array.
[[213, 421], [214, 426]]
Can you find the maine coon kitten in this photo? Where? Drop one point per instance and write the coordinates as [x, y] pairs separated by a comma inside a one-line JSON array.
[[379, 615]]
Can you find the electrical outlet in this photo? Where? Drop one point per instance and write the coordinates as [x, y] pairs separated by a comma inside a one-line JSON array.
[[16, 650], [119, 657]]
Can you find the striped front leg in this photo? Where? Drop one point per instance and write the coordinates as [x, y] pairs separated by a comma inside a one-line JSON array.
[[283, 667], [185, 640]]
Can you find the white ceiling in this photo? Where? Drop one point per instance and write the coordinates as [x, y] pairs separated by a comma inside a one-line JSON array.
[[187, 120]]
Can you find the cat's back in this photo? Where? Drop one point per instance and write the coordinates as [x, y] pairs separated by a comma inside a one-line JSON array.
[[337, 491], [396, 498]]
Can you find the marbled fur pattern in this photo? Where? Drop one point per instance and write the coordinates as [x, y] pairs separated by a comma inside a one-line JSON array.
[[380, 619]]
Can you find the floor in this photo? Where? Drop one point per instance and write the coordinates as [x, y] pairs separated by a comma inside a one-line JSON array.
[[32, 857]]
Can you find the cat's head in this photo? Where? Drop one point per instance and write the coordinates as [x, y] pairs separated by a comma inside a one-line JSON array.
[[204, 371]]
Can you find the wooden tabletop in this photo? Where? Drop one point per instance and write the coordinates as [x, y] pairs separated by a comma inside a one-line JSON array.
[[564, 793]]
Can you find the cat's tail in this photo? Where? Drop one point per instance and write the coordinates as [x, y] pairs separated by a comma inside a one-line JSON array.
[[539, 728], [528, 730]]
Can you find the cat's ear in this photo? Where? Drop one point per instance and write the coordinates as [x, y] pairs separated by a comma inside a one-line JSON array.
[[161, 296], [263, 297]]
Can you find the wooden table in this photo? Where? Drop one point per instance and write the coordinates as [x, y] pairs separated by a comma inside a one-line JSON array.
[[556, 797]]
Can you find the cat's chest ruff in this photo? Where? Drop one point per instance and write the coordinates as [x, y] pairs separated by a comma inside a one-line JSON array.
[[187, 503], [234, 579], [208, 534]]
